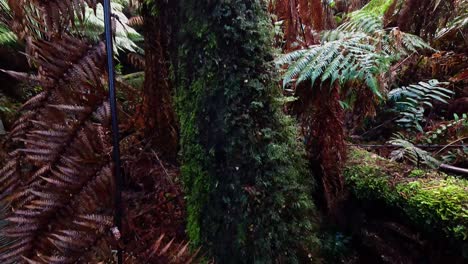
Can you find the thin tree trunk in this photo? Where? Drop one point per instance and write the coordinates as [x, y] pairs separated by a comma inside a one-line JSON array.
[[158, 112]]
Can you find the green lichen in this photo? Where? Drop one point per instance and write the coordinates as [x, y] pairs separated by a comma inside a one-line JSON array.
[[436, 202], [244, 172]]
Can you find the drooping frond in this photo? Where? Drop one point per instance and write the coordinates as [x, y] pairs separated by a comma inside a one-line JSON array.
[[359, 49], [47, 17], [409, 43], [408, 151], [7, 37], [411, 101], [136, 60], [362, 22], [459, 23], [338, 60], [125, 35], [59, 167], [69, 179], [136, 21]]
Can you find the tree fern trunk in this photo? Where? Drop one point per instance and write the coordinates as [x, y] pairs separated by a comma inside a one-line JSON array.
[[158, 112]]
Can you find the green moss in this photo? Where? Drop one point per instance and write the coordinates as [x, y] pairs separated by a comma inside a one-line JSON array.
[[248, 190], [435, 202], [378, 7], [417, 173], [8, 109], [439, 202]]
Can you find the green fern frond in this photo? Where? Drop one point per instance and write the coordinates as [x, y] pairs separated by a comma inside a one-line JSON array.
[[413, 43], [7, 37], [410, 101], [362, 22], [290, 57], [368, 19], [376, 7], [300, 59], [360, 49], [347, 59], [125, 36], [408, 151]]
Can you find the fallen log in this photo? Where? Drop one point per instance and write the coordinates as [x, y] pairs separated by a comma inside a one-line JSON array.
[[433, 201], [449, 168]]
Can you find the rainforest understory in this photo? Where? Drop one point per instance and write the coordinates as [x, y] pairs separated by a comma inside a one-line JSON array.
[[251, 131]]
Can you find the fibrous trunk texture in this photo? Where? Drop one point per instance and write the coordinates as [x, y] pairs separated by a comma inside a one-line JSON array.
[[325, 141], [158, 111]]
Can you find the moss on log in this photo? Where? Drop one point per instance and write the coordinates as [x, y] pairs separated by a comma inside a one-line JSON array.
[[433, 201]]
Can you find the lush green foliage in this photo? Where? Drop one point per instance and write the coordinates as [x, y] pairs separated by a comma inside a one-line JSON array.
[[125, 37], [434, 202], [438, 132], [335, 246], [344, 59], [408, 151], [412, 100], [359, 49], [248, 191], [92, 26], [7, 37]]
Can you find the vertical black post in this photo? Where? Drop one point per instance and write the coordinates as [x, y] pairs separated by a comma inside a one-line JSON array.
[[115, 124]]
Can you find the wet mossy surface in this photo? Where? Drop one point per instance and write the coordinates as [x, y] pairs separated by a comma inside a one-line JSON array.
[[248, 190], [434, 202]]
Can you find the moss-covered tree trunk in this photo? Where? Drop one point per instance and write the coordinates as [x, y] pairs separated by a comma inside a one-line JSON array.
[[248, 192]]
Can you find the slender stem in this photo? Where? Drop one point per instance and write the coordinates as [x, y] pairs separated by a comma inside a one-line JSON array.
[[451, 144], [119, 181]]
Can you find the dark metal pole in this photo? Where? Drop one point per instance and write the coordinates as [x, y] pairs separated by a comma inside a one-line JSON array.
[[115, 125]]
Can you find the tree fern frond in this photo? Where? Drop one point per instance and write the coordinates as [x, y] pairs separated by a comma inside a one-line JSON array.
[[333, 67], [410, 101], [413, 43], [292, 56], [408, 151], [300, 59], [459, 23], [314, 66], [125, 36], [356, 42], [7, 37], [344, 60], [48, 16], [363, 22]]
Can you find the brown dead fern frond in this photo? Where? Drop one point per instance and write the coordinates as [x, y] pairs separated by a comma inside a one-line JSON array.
[[57, 183], [136, 21], [49, 18], [136, 60]]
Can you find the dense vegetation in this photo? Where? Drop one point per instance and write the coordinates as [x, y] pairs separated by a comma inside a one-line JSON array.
[[243, 169], [252, 131]]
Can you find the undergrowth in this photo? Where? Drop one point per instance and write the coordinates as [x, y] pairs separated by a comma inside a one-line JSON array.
[[433, 201]]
